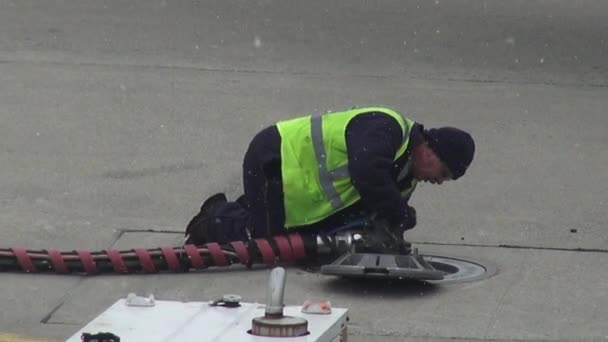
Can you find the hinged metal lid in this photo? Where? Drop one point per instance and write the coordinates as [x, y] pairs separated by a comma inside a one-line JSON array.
[[369, 265]]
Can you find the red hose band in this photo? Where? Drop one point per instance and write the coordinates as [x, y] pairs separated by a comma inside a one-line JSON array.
[[146, 261], [266, 251], [195, 259], [116, 259], [171, 259], [284, 248], [217, 254], [24, 259], [297, 246], [57, 261], [241, 251], [288, 247], [87, 261]]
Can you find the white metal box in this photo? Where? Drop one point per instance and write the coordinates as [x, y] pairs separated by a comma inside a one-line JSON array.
[[172, 321]]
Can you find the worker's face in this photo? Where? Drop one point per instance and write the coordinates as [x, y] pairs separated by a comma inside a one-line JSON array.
[[428, 167]]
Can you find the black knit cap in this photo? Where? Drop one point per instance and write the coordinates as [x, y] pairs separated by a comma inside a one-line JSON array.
[[453, 146]]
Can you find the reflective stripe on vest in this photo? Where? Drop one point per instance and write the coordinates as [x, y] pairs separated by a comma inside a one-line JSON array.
[[325, 177]]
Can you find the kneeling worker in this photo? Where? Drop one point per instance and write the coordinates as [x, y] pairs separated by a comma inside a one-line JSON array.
[[316, 173]]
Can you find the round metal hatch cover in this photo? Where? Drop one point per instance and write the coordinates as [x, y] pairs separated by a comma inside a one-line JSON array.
[[459, 270]]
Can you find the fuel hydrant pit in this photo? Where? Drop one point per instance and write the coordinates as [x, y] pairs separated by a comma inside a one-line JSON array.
[[428, 268], [460, 270]]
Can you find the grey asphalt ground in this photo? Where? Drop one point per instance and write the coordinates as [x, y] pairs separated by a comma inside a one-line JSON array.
[[125, 115]]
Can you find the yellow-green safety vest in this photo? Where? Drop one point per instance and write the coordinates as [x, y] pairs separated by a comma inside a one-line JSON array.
[[314, 164]]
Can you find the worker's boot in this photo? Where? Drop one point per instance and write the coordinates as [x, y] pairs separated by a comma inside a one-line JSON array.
[[198, 228], [229, 222], [242, 201]]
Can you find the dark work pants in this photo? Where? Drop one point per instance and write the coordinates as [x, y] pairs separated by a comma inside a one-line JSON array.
[[262, 184], [261, 209]]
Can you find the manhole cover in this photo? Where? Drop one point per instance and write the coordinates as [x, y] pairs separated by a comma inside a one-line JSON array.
[[458, 270], [433, 269]]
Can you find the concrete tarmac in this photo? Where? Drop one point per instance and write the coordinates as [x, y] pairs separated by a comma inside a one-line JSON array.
[[119, 116]]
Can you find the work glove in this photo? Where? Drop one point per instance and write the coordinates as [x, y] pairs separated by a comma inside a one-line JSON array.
[[397, 231], [383, 238]]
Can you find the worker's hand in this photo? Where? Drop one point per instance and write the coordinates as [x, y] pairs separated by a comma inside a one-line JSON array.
[[383, 237]]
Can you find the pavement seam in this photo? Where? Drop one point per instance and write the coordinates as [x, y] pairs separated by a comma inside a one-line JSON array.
[[68, 294], [152, 230], [308, 73], [507, 246], [62, 301], [516, 279]]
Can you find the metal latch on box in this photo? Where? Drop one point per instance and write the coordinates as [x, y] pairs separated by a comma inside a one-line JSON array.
[[135, 300]]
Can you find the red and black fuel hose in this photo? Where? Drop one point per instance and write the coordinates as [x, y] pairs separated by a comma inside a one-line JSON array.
[[281, 249]]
